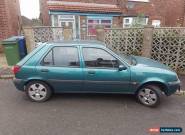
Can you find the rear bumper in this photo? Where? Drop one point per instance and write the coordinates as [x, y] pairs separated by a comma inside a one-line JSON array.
[[173, 87], [19, 84]]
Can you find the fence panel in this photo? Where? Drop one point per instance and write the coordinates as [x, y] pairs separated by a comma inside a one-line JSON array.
[[125, 41], [38, 34], [168, 44], [168, 47]]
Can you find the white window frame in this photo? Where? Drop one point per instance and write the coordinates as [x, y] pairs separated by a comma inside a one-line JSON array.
[[156, 23], [131, 19], [125, 23]]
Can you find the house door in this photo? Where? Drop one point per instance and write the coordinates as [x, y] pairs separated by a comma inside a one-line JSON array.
[[68, 21]]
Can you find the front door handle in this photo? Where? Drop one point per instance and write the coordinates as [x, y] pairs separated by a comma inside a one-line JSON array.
[[44, 70], [91, 72]]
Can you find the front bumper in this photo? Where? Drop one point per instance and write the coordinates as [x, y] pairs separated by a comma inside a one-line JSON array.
[[173, 87], [19, 84]]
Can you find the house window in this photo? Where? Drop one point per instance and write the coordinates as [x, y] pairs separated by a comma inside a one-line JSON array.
[[156, 23], [127, 22], [134, 21], [92, 22]]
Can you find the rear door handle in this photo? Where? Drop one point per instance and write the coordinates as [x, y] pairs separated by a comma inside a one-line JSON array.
[[44, 70], [91, 72]]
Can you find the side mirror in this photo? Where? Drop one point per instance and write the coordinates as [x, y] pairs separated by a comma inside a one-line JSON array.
[[121, 67]]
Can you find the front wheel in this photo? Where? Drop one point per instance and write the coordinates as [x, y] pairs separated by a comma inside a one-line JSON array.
[[38, 91], [149, 96]]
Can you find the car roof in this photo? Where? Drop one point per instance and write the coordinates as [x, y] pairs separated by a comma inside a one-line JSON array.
[[77, 43]]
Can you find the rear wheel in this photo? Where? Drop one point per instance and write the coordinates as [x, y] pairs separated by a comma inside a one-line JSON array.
[[149, 95], [38, 91]]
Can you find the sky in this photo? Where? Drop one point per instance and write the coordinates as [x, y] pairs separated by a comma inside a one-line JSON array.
[[30, 8]]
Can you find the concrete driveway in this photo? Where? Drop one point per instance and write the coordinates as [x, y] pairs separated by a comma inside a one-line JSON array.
[[84, 114]]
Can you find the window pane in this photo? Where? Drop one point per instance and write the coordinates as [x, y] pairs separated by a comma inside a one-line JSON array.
[[140, 20], [127, 20], [93, 21], [91, 30], [107, 26], [66, 56], [105, 21], [94, 57], [48, 60]]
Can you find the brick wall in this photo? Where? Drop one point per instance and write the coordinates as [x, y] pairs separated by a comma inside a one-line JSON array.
[[175, 11], [170, 12], [117, 22], [10, 18], [92, 1], [44, 13]]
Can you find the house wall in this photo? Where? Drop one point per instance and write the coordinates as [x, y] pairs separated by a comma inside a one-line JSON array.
[[44, 13], [92, 1], [117, 22], [169, 12], [10, 18]]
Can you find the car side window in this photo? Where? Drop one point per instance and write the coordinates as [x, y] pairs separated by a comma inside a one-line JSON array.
[[48, 59], [62, 57], [99, 58]]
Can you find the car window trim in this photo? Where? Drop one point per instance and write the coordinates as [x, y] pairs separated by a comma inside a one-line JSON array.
[[109, 68], [51, 49]]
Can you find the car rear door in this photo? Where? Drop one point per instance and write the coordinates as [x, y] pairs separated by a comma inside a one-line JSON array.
[[101, 72], [61, 68]]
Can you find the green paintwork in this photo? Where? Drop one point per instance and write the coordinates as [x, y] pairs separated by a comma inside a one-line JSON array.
[[65, 79]]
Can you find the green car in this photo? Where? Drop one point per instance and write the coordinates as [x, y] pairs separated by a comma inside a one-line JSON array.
[[90, 67]]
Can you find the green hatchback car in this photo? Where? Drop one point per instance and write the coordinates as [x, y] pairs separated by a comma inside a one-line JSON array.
[[90, 67]]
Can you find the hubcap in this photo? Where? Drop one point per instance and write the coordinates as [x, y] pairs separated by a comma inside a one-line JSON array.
[[37, 91], [147, 96]]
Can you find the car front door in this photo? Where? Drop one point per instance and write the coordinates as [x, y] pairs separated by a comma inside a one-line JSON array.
[[61, 69], [101, 72]]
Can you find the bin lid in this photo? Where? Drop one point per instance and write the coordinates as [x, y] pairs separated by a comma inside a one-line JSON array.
[[19, 37], [11, 40]]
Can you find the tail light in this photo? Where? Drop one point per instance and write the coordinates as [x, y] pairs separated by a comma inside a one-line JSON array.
[[16, 69]]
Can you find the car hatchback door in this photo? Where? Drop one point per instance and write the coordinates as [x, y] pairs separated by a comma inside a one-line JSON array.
[[102, 74], [61, 69]]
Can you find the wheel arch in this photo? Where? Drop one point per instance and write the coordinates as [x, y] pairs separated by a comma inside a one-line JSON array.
[[28, 81], [159, 84]]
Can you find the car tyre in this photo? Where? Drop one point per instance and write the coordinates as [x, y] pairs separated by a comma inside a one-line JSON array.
[[149, 95], [38, 91]]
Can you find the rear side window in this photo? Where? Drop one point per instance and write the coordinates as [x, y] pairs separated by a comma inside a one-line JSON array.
[[62, 57]]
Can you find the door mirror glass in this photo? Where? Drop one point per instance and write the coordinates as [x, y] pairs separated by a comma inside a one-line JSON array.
[[122, 67]]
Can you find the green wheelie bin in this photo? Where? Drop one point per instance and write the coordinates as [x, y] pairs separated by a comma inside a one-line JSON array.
[[11, 50]]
